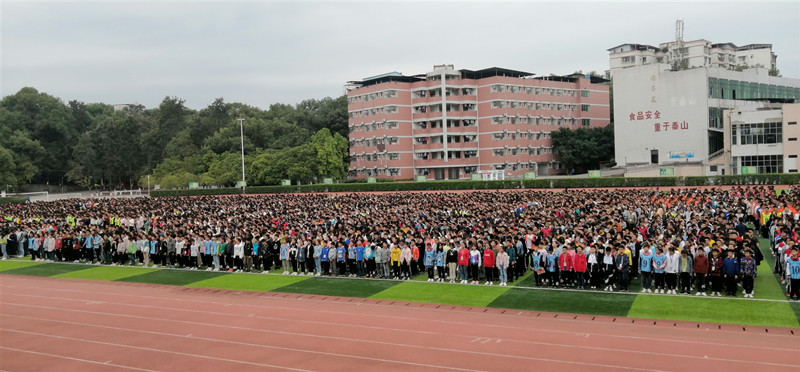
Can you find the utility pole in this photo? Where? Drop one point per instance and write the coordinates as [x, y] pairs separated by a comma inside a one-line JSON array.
[[241, 132]]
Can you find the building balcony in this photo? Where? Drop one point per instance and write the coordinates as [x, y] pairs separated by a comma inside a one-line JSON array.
[[428, 131], [428, 146], [466, 130], [442, 163], [463, 145], [427, 115]]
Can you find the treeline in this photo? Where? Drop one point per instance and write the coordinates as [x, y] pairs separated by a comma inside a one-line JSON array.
[[44, 140]]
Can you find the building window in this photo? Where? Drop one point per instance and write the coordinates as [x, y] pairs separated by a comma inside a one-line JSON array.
[[757, 133], [584, 93], [792, 139], [586, 122], [792, 123], [584, 108], [764, 163], [792, 156], [628, 59]]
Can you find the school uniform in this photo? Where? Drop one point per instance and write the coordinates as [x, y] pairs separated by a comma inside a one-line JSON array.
[[646, 268], [793, 273], [748, 272], [700, 270], [730, 269], [686, 267]]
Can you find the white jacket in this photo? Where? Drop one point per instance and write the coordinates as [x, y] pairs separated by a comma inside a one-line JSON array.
[[673, 263]]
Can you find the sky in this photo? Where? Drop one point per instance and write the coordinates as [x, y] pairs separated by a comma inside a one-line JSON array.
[[260, 53]]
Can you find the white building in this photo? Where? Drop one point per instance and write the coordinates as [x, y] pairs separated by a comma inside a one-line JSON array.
[[696, 53], [664, 117], [763, 140]]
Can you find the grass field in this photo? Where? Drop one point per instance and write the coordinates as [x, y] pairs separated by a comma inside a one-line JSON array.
[[770, 308]]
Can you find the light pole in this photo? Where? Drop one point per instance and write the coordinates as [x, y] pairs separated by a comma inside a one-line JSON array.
[[241, 133], [148, 184]]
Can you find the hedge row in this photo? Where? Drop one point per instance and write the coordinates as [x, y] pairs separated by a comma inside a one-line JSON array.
[[557, 183], [12, 200], [747, 179]]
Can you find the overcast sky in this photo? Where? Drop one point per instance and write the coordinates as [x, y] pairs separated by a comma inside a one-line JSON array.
[[261, 53]]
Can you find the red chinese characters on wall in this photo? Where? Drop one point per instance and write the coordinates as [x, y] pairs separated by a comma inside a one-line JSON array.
[[665, 126], [670, 126], [644, 115]]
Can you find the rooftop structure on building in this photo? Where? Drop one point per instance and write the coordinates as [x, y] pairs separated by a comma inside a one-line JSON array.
[[695, 53], [453, 124]]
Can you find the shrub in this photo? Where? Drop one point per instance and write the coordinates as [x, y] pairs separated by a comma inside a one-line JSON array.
[[13, 200], [539, 183]]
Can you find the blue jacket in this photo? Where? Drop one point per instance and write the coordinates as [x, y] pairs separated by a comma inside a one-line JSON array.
[[439, 258], [552, 262], [284, 251], [324, 255], [360, 253], [730, 267], [793, 267], [646, 263], [748, 267], [658, 261], [430, 257]]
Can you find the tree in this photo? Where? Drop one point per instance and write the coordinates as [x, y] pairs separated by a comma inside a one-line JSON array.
[[46, 119], [170, 117], [331, 151], [7, 167], [584, 148]]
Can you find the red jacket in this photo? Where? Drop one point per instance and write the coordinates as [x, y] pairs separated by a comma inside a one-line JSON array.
[[488, 258], [580, 263], [463, 257], [565, 262], [415, 252], [701, 265]]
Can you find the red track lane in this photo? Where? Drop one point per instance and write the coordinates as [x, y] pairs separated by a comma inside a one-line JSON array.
[[111, 326]]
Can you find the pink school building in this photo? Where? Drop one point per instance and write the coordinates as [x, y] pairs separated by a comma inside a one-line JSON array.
[[450, 124]]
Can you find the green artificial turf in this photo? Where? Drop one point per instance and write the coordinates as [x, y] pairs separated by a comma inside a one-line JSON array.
[[254, 282], [442, 293], [714, 310], [105, 273], [796, 309], [45, 269], [171, 277], [565, 301], [338, 287], [767, 284], [15, 264]]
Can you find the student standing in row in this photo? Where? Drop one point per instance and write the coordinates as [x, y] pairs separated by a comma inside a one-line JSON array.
[[748, 271], [502, 265], [730, 271], [700, 271], [646, 269]]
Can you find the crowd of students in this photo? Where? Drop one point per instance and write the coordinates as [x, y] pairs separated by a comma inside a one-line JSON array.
[[681, 241]]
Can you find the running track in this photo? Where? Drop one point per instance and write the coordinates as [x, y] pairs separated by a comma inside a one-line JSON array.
[[67, 325]]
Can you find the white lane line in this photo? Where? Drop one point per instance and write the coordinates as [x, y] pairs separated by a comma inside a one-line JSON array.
[[482, 340], [76, 359], [541, 330], [149, 349], [493, 355], [618, 324]]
